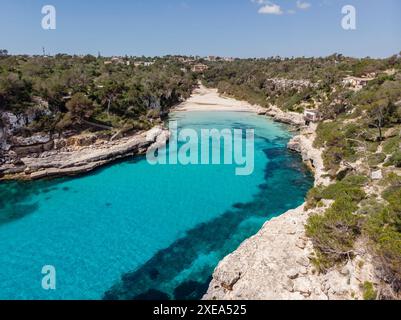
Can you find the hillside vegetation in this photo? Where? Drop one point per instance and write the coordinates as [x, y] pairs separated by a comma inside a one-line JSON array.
[[79, 92], [361, 135]]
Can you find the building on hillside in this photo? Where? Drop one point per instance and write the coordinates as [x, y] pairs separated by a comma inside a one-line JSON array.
[[312, 116], [117, 60], [200, 67], [357, 83], [143, 63], [212, 58]]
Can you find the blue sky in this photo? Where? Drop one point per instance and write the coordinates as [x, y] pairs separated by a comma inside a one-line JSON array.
[[240, 28]]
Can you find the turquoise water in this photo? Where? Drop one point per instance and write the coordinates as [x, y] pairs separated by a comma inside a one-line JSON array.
[[132, 230]]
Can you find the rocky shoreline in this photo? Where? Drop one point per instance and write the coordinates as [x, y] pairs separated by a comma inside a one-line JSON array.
[[78, 155], [276, 263]]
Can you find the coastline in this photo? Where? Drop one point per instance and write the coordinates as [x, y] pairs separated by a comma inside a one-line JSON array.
[[276, 263]]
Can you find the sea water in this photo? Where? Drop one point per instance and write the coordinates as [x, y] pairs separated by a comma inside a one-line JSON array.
[[136, 231]]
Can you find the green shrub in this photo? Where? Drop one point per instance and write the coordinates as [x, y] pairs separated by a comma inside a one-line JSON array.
[[395, 159], [372, 146], [369, 292], [349, 187], [333, 234], [383, 228], [313, 197], [392, 180], [376, 159], [391, 145]]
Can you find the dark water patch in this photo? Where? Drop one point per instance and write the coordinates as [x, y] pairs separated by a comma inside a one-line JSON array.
[[263, 186], [191, 290], [154, 274], [16, 198], [152, 295], [272, 153], [239, 205], [16, 211]]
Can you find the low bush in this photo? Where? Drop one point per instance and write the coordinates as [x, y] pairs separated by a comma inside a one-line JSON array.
[[391, 145], [349, 187], [369, 292], [383, 228], [395, 159], [333, 234], [376, 159]]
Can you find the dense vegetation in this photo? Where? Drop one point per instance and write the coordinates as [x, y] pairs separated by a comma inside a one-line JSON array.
[[85, 92], [360, 133]]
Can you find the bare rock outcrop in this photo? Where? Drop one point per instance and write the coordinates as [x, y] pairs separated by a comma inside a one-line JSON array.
[[293, 118], [289, 84], [76, 156]]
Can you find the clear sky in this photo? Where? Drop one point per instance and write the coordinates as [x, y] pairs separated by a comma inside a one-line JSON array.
[[240, 28]]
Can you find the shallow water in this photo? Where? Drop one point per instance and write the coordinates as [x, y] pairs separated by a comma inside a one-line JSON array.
[[136, 231]]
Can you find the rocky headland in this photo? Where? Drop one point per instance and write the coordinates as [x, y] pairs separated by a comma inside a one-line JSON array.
[[45, 155]]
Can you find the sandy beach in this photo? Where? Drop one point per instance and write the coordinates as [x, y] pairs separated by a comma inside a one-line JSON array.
[[205, 99]]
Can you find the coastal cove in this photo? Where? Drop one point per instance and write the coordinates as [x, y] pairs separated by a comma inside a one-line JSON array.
[[135, 231]]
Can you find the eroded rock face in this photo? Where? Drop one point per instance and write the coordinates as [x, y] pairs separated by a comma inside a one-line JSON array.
[[295, 144], [3, 138], [38, 138], [12, 123], [81, 140], [289, 84]]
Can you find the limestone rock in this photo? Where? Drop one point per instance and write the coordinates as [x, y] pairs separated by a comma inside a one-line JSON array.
[[292, 274], [377, 175], [292, 118], [42, 160]]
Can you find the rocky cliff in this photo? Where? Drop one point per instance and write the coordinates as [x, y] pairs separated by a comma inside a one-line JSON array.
[[276, 263], [57, 156]]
